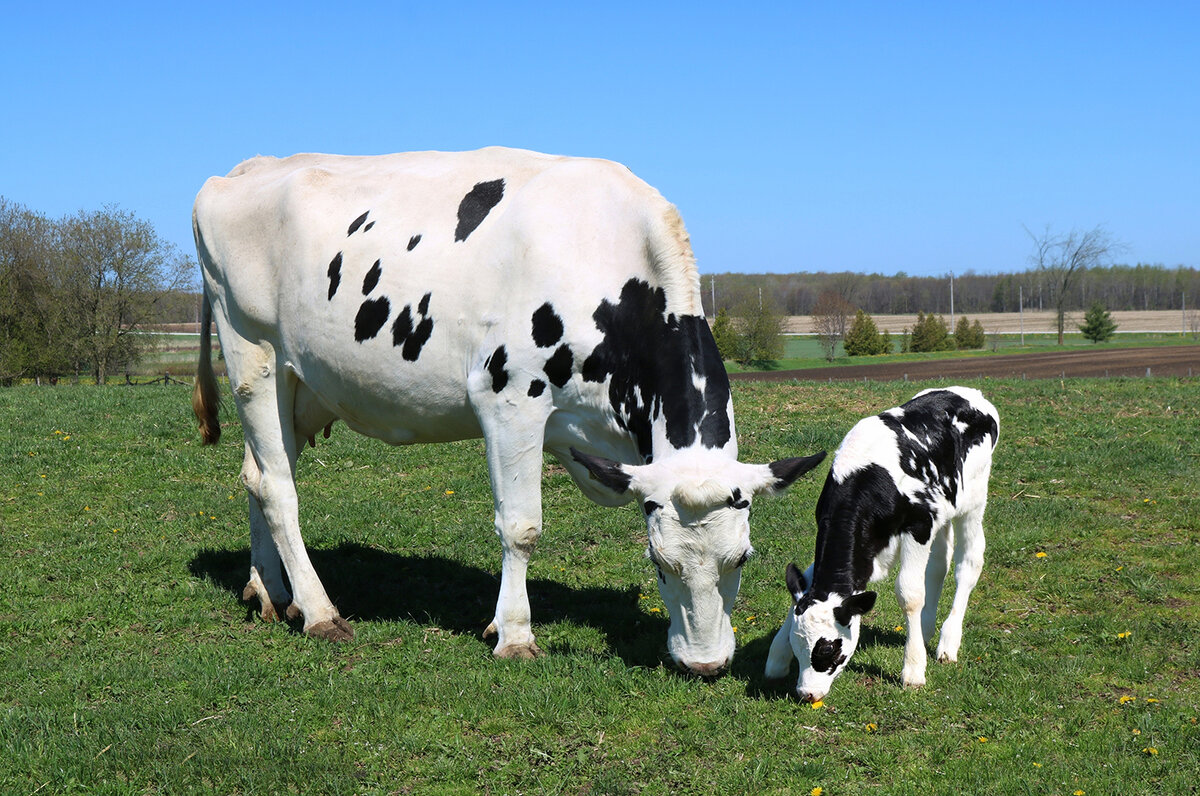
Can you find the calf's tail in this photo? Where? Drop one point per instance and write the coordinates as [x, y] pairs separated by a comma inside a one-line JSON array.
[[205, 397]]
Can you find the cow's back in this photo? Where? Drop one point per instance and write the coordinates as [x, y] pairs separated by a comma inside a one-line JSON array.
[[388, 282]]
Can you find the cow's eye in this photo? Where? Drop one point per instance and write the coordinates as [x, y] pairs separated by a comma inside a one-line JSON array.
[[742, 560]]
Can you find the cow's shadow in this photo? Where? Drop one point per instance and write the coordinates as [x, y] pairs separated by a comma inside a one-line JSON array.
[[369, 584]]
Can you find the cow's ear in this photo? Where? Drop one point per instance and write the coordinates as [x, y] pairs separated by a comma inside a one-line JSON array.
[[796, 582], [778, 476], [854, 605], [608, 472]]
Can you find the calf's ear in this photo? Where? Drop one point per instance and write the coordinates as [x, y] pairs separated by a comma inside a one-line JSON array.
[[796, 582], [854, 605]]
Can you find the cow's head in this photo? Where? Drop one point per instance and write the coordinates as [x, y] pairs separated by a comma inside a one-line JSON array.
[[824, 634], [697, 508]]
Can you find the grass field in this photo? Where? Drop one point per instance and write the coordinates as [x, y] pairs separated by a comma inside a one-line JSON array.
[[129, 665]]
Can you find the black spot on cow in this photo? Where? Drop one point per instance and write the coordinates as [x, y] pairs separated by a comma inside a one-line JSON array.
[[736, 501], [372, 277], [536, 388], [654, 363], [547, 326], [495, 366], [475, 206], [413, 241], [356, 223], [558, 367], [335, 274], [367, 228], [410, 333], [827, 655], [649, 507], [372, 315]]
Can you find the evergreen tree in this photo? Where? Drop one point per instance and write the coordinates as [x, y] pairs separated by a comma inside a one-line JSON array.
[[863, 338], [725, 335], [1098, 324], [968, 335], [930, 334]]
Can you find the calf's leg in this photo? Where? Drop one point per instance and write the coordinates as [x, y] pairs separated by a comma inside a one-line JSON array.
[[910, 593], [968, 564]]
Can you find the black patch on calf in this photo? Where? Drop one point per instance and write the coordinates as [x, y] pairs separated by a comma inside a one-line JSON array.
[[495, 366], [736, 501], [356, 223], [547, 326], [372, 315], [335, 274], [413, 241], [652, 361], [475, 206], [558, 367], [413, 336], [649, 507], [536, 388], [827, 655], [372, 277]]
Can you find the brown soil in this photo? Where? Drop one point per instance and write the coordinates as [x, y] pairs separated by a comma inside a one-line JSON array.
[[1159, 361]]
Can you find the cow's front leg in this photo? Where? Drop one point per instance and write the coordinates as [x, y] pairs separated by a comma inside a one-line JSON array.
[[779, 658], [513, 432], [910, 593]]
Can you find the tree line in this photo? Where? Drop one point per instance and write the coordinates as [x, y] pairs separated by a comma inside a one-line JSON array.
[[1117, 287], [74, 291]]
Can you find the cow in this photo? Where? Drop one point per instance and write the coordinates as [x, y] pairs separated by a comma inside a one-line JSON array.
[[912, 483], [539, 302]]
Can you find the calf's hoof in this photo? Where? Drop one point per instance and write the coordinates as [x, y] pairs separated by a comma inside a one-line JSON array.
[[336, 629], [521, 652]]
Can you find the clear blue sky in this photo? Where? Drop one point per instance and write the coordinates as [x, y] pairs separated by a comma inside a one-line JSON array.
[[916, 137]]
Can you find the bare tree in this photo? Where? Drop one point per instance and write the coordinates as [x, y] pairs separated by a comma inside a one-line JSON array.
[[118, 269], [830, 316], [1061, 259]]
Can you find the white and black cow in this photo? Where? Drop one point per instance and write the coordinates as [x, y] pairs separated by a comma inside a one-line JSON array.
[[539, 302], [911, 482]]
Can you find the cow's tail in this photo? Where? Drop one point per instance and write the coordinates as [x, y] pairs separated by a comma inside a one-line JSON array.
[[672, 258], [206, 399]]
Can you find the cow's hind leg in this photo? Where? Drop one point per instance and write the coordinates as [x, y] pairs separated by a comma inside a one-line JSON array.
[[265, 397], [266, 572], [940, 550], [968, 564]]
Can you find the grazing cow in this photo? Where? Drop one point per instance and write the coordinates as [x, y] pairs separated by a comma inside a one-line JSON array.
[[538, 302], [911, 482]]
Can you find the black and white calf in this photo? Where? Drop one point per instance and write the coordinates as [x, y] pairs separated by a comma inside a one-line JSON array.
[[910, 482]]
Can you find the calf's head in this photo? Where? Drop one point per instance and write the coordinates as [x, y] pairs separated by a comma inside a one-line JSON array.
[[824, 633], [697, 509]]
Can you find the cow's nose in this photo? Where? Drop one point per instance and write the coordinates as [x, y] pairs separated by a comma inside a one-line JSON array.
[[707, 669]]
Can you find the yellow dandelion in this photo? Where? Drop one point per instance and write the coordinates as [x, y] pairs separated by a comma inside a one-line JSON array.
[[735, 628], [115, 530], [1146, 500], [751, 618], [643, 596], [1137, 732], [1152, 700], [983, 739], [1126, 699], [899, 628], [656, 610], [43, 475], [67, 437], [1124, 634], [449, 491], [1037, 765], [56, 431], [1150, 750], [1039, 554], [1078, 793], [872, 726], [87, 508], [1120, 568], [818, 705], [817, 791]]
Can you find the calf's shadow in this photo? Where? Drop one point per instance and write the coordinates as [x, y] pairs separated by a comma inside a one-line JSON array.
[[369, 584]]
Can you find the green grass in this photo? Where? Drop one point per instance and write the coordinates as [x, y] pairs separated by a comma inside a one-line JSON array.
[[803, 351], [129, 665]]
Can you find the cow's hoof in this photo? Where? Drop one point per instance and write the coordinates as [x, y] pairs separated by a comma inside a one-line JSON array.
[[293, 612], [336, 629], [521, 652], [268, 611]]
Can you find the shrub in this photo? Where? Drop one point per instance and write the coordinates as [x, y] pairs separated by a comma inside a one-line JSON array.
[[863, 338], [1098, 324], [930, 334], [968, 335]]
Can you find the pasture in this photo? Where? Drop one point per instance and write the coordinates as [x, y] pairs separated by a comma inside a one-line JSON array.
[[128, 663]]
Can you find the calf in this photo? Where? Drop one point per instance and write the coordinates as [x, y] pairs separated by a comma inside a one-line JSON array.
[[911, 482]]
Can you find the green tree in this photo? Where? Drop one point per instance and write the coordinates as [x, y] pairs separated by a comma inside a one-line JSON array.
[[967, 335], [1098, 324], [760, 332], [863, 338], [725, 335], [930, 334]]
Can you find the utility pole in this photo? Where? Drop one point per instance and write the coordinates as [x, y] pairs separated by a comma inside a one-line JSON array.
[[952, 302], [1021, 311], [712, 286]]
